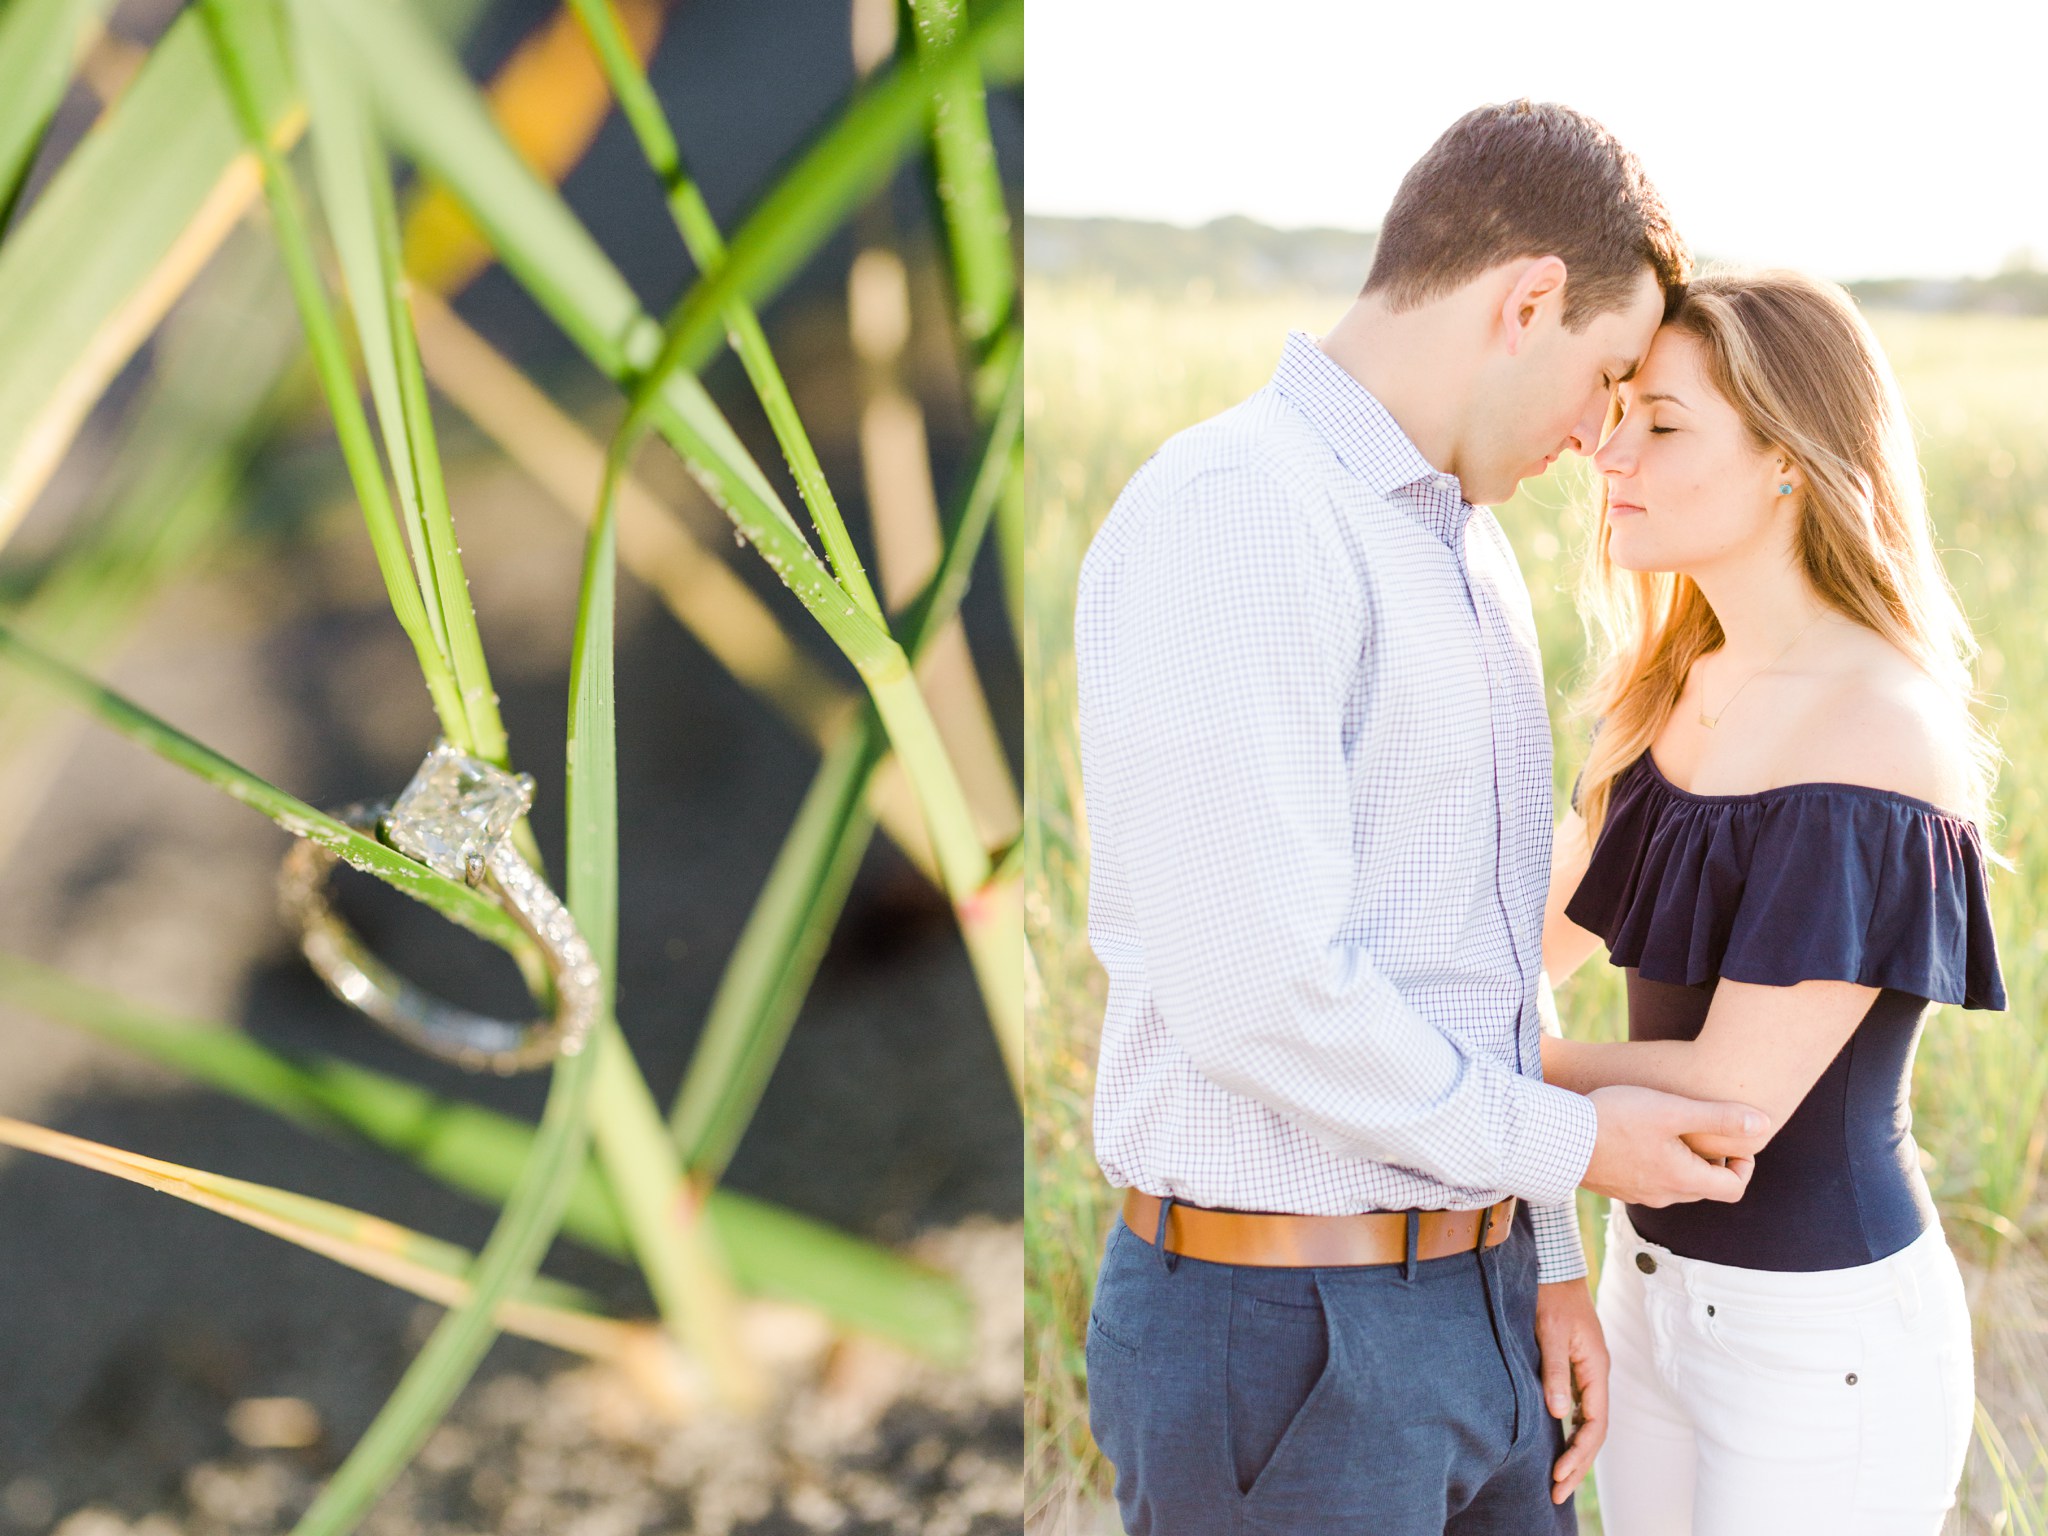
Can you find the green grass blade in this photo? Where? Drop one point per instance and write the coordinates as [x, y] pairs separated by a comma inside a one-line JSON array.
[[706, 246], [678, 1255], [342, 155], [174, 487], [970, 186], [458, 1343], [109, 243], [39, 43], [774, 1252], [849, 163], [541, 1198], [249, 50], [548, 1310], [434, 115], [362, 213], [450, 898], [771, 968], [825, 180]]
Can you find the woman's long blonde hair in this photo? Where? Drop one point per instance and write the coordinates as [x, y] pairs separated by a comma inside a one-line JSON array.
[[1799, 364]]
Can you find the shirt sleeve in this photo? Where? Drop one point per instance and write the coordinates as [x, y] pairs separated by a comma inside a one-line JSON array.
[[1560, 1255], [1238, 629]]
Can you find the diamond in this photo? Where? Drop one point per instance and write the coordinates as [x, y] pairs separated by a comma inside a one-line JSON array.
[[456, 808]]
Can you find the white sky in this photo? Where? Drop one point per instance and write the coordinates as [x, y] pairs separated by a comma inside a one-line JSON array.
[[1854, 140]]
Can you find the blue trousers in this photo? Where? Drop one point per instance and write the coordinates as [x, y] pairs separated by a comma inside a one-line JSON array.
[[1375, 1400]]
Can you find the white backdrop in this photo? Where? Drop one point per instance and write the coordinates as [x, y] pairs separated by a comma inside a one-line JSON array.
[[1874, 140]]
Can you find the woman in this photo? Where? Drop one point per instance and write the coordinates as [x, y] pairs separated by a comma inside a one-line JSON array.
[[1777, 835]]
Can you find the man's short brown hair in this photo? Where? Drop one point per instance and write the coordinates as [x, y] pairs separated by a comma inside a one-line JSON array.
[[1529, 178]]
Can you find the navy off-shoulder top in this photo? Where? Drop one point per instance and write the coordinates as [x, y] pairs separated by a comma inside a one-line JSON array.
[[1809, 881]]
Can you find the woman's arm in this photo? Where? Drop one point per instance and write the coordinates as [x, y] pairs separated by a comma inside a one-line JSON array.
[[1565, 944], [1765, 1046]]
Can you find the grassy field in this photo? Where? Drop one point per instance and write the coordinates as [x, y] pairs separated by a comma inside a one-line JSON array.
[[1110, 376]]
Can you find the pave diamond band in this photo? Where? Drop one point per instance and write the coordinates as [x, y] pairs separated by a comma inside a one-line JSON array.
[[455, 817]]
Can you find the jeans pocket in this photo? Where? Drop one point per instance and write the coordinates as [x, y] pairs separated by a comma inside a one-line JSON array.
[[1279, 1352], [1918, 1406], [1112, 1372], [1111, 1349], [1787, 1348]]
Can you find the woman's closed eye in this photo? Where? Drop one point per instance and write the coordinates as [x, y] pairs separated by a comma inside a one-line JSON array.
[[1660, 431]]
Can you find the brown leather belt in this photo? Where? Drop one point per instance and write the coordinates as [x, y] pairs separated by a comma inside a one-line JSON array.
[[1279, 1241]]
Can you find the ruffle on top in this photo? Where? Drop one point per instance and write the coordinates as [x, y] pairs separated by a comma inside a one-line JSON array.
[[1835, 882]]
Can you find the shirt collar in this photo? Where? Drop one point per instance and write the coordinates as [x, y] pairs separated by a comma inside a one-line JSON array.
[[1366, 438]]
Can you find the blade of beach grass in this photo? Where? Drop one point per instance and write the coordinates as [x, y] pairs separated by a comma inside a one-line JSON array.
[[175, 486], [774, 1252], [509, 1260], [80, 615], [706, 246], [904, 517], [342, 164], [551, 100], [432, 112], [550, 1311], [678, 1254], [977, 222], [471, 150], [110, 243], [450, 898], [698, 588], [118, 234], [695, 585], [841, 169], [2016, 1502], [701, 236], [540, 1198], [357, 197], [970, 189], [40, 42], [846, 164], [772, 966], [250, 54], [436, 118]]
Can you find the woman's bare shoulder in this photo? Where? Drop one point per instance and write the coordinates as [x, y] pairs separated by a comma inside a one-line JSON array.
[[1878, 719]]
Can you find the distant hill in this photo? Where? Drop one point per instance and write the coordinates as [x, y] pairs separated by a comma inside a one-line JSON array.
[[1236, 256], [1228, 257], [2021, 291]]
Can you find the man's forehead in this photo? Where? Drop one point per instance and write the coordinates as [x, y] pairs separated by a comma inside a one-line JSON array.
[[1631, 332]]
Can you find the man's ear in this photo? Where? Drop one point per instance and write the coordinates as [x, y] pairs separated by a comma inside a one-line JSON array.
[[1539, 283]]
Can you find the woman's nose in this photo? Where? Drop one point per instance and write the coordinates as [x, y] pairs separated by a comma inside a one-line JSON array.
[[1612, 457]]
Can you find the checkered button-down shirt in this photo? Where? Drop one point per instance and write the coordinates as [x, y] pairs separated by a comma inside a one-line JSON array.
[[1317, 772]]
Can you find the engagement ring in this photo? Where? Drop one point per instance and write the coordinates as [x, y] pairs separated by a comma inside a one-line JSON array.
[[455, 817]]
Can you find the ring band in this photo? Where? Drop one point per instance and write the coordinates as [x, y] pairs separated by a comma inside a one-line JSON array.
[[478, 850]]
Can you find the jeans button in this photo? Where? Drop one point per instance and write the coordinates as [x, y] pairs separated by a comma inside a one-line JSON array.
[[1646, 1264]]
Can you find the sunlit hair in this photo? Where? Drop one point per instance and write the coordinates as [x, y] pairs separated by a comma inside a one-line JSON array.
[[1808, 379]]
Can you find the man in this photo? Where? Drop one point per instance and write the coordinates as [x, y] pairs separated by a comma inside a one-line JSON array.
[[1348, 1282]]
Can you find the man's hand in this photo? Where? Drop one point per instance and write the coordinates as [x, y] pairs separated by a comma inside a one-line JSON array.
[[1574, 1370], [1641, 1156]]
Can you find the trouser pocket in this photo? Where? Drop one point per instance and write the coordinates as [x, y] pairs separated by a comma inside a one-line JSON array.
[[1918, 1401], [1278, 1351], [1114, 1389]]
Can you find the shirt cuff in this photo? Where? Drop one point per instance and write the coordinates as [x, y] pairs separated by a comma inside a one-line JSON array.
[[1548, 1142], [1560, 1255]]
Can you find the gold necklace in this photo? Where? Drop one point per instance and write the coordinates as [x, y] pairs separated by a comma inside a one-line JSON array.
[[1711, 721]]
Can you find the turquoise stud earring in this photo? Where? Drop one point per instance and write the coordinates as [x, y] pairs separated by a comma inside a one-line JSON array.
[[1784, 490]]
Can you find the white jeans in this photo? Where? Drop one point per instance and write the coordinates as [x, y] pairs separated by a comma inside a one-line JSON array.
[[1749, 1402]]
